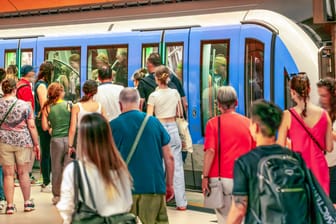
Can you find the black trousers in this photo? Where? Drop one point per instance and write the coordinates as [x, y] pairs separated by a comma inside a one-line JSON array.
[[45, 152], [332, 174]]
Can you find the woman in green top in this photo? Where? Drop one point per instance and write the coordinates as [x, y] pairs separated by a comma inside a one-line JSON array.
[[56, 119]]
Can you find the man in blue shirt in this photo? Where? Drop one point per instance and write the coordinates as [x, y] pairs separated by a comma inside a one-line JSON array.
[[146, 165]]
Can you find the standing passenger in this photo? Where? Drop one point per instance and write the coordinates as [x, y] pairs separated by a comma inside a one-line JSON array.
[[108, 93], [301, 119], [56, 120], [235, 140], [107, 173], [2, 194], [40, 97], [164, 103], [327, 92], [18, 137], [146, 167], [24, 90]]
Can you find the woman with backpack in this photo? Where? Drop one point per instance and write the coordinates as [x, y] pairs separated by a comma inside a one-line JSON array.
[[56, 120]]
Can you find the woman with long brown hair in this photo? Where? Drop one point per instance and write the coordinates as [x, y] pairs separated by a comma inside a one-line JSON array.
[[309, 129], [107, 173], [326, 89], [85, 106], [40, 97], [56, 120]]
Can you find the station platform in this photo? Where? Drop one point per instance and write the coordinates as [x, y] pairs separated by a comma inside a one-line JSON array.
[[46, 213]]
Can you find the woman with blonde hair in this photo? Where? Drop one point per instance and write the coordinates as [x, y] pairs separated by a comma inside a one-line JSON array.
[[56, 119], [165, 103], [107, 174], [85, 106]]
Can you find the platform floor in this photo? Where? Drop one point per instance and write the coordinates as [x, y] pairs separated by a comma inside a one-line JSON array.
[[46, 213]]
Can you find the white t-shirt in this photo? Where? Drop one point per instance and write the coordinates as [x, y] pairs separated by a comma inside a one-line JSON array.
[[120, 202], [331, 156], [108, 96], [165, 102], [83, 112]]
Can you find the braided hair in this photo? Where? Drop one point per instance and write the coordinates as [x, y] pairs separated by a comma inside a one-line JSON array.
[[301, 85], [162, 74], [90, 88], [55, 91]]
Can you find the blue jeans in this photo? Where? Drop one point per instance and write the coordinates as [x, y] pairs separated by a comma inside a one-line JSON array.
[[175, 147], [2, 194]]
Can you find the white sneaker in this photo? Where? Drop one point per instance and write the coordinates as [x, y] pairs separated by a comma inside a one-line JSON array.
[[46, 189], [2, 204]]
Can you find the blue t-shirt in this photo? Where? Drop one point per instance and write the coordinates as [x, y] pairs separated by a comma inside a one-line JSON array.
[[146, 165]]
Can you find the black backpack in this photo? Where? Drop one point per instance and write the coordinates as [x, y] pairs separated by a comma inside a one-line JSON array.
[[283, 190]]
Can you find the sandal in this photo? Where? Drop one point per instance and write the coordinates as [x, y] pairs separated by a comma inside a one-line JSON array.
[[29, 206], [10, 210]]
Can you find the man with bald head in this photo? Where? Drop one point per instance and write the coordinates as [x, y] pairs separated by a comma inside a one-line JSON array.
[[146, 165]]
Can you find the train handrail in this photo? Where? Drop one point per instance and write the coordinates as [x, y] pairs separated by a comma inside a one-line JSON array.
[[165, 28], [262, 23]]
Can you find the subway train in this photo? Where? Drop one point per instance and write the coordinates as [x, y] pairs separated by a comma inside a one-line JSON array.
[[255, 51]]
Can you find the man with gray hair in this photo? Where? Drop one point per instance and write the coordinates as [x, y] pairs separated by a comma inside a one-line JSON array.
[[230, 131], [146, 165]]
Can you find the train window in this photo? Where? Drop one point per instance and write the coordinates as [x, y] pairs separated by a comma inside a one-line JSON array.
[[66, 63], [174, 59], [114, 56], [254, 72], [147, 49], [326, 62], [26, 57], [288, 99], [214, 73]]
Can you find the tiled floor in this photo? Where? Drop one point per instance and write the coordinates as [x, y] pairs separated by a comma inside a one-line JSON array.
[[46, 213]]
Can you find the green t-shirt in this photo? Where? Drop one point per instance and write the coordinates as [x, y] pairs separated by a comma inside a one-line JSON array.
[[59, 118]]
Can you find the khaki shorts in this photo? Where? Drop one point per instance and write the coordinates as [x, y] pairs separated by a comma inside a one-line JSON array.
[[12, 155]]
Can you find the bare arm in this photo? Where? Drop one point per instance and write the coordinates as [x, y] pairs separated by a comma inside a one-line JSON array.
[[209, 156], [169, 164], [73, 124], [34, 136], [238, 210], [142, 102], [45, 125], [185, 105], [42, 94], [283, 129], [150, 109], [329, 136]]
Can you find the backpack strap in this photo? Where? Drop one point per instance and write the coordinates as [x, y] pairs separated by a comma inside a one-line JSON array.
[[306, 129], [9, 110], [20, 86]]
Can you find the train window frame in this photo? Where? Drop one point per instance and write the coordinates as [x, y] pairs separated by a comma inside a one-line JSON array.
[[14, 51], [115, 46], [326, 58], [143, 54], [175, 44], [74, 96], [247, 101], [226, 42]]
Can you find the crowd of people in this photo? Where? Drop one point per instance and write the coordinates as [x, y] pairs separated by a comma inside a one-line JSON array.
[[112, 130]]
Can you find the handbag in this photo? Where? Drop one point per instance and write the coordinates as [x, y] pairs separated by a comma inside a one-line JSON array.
[[85, 214], [308, 132], [216, 197], [183, 130]]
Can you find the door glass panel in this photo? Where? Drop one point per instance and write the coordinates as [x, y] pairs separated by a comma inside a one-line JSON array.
[[254, 72], [11, 64], [174, 59], [67, 68], [326, 62], [214, 73], [146, 51], [114, 56]]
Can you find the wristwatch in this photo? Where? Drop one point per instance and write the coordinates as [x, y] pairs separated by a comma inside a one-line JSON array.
[[204, 177]]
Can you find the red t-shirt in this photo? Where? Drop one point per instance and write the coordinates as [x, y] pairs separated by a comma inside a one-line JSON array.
[[25, 92], [236, 140]]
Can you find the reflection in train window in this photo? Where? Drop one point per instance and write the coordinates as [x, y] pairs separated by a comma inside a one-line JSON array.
[[147, 49], [114, 56], [174, 59], [254, 72], [66, 63], [214, 73], [10, 59], [288, 98]]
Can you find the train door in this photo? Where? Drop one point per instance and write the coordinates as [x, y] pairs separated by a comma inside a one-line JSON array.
[[257, 65]]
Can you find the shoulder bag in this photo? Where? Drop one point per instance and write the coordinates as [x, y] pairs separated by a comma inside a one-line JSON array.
[[85, 214], [217, 198], [308, 132], [9, 110], [183, 130]]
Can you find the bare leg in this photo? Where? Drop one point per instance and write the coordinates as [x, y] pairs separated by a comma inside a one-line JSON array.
[[23, 172], [8, 172]]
